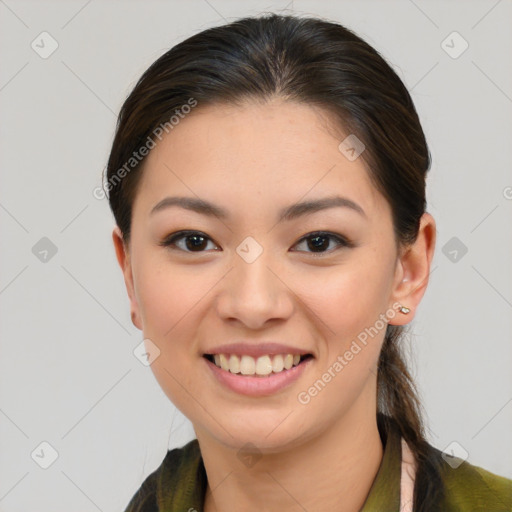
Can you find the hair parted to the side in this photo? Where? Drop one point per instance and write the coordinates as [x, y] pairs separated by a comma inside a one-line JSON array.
[[323, 64]]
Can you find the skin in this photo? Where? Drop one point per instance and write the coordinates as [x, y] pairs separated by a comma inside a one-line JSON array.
[[254, 160]]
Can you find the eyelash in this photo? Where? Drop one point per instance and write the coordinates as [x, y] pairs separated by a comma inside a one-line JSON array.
[[170, 241]]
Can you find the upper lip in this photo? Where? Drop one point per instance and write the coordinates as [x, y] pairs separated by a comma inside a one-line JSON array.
[[256, 349]]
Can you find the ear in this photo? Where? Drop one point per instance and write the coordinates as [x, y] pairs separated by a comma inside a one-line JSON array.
[[123, 258], [413, 271]]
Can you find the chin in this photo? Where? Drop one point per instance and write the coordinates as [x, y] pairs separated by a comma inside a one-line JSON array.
[[270, 431]]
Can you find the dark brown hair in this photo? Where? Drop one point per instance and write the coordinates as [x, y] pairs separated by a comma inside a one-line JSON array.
[[318, 63]]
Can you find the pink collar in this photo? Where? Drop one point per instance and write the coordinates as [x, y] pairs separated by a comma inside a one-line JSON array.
[[407, 474]]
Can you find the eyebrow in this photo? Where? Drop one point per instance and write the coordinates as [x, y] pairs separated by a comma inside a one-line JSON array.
[[286, 214]]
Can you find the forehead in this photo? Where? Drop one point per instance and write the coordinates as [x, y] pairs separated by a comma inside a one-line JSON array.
[[280, 151]]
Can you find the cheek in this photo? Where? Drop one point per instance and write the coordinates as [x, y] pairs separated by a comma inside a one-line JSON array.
[[348, 302], [348, 297], [170, 305], [167, 293]]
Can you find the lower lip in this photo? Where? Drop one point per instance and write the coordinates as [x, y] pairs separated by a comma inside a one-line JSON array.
[[258, 386]]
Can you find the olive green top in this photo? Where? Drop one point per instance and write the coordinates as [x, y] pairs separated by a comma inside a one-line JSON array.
[[179, 483]]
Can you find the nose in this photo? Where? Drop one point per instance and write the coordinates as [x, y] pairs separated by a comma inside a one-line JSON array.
[[254, 293]]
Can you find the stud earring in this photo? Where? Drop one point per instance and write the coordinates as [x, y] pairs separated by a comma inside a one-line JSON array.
[[404, 310]]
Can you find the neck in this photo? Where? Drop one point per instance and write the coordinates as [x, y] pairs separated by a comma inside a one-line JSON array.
[[333, 471]]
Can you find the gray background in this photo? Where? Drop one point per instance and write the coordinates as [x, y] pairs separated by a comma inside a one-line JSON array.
[[67, 372]]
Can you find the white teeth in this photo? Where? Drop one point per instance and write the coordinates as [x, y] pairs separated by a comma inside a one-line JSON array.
[[234, 364], [223, 362], [264, 365], [278, 363], [247, 365]]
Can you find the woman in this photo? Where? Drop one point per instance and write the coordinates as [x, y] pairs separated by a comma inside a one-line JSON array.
[[267, 179]]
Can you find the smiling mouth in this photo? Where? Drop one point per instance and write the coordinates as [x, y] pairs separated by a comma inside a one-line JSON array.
[[262, 366]]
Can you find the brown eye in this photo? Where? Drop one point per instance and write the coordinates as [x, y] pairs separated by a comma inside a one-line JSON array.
[[320, 242], [188, 241]]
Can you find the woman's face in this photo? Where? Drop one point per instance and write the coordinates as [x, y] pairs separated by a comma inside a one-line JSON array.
[[253, 284]]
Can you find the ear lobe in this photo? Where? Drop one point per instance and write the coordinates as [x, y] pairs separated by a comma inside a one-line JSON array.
[[123, 258], [413, 270]]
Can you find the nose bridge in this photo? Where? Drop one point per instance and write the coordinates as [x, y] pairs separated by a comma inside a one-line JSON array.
[[252, 279], [252, 292], [253, 276]]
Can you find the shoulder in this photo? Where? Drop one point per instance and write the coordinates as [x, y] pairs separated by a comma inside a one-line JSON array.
[[472, 488], [146, 498]]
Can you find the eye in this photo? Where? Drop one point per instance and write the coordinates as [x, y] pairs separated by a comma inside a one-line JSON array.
[[188, 241], [319, 242], [195, 241]]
